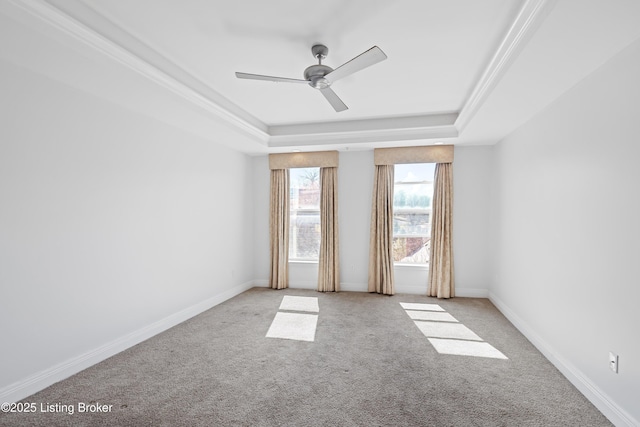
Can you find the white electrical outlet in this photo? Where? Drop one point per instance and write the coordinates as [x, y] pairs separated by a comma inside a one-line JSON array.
[[613, 362]]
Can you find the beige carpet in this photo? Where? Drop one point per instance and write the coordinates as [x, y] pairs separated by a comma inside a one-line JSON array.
[[369, 364]]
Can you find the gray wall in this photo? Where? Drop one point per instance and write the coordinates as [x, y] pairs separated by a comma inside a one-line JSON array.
[[567, 237]]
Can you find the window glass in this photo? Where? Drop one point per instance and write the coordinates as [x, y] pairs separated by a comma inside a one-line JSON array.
[[412, 194], [304, 209]]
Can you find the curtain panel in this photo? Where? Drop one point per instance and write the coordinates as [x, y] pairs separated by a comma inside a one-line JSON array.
[[279, 229], [328, 265], [381, 279], [441, 277], [328, 262]]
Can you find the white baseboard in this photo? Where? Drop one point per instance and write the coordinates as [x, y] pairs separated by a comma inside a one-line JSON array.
[[411, 289], [354, 287], [463, 293], [472, 293], [43, 379], [600, 400], [303, 284], [364, 287]]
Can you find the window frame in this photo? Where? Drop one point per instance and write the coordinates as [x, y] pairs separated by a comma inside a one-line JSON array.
[[293, 213], [428, 211]]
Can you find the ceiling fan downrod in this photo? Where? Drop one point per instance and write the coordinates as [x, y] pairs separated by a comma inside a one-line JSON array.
[[319, 52], [314, 74]]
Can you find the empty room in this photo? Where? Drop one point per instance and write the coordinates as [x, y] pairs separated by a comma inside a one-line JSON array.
[[347, 213]]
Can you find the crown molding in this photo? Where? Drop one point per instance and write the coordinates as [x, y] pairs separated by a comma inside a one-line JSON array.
[[422, 121], [531, 15], [62, 22], [383, 129], [364, 136]]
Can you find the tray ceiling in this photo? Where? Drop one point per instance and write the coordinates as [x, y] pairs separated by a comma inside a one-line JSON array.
[[446, 60]]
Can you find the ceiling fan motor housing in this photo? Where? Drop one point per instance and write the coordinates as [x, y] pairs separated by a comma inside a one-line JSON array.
[[315, 75]]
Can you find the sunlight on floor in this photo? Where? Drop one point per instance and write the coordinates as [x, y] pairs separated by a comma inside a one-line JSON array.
[[446, 334], [292, 303], [295, 326], [466, 348], [447, 330], [431, 315], [416, 306]]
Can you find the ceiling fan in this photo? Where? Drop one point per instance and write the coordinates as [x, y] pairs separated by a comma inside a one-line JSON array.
[[321, 76]]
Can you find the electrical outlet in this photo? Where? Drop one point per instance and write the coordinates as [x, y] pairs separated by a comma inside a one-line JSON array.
[[613, 362]]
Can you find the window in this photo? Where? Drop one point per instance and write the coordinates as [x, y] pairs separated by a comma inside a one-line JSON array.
[[304, 211], [412, 194]]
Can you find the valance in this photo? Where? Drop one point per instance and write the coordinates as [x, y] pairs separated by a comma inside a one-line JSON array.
[[422, 154], [322, 159]]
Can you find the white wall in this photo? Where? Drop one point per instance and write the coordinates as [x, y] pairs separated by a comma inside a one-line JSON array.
[[568, 236], [261, 184], [355, 190], [355, 187], [471, 214], [113, 226]]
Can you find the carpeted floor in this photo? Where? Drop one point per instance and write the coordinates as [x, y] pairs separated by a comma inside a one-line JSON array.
[[369, 365]]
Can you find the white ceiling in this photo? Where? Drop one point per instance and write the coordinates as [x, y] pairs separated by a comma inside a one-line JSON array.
[[436, 53], [458, 71]]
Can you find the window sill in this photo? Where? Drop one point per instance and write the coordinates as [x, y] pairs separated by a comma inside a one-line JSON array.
[[302, 261], [411, 266]]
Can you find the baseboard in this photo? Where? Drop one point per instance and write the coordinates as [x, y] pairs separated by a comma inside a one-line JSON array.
[[303, 284], [472, 293], [347, 287], [354, 287], [600, 400], [41, 380], [363, 287], [410, 289]]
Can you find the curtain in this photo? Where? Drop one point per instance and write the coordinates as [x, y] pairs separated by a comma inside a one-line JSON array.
[[381, 234], [279, 229], [328, 266], [441, 282]]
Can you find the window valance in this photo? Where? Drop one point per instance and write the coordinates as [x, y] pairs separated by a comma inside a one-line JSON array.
[[422, 154], [322, 159]]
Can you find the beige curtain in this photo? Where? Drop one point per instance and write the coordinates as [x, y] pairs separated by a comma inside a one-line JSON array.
[[441, 283], [328, 266], [381, 234], [279, 229]]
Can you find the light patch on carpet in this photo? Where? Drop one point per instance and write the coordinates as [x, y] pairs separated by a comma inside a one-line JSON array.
[[446, 334], [466, 348], [423, 307], [299, 304], [446, 330], [293, 326], [431, 315]]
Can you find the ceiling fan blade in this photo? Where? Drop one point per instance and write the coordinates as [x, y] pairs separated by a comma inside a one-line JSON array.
[[269, 78], [364, 60], [333, 99]]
